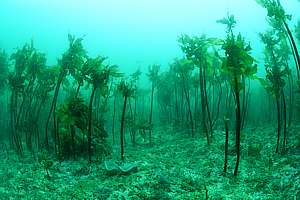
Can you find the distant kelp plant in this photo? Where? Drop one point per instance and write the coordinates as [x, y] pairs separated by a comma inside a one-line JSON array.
[[127, 91], [183, 68], [4, 65], [153, 77], [4, 70], [196, 50]]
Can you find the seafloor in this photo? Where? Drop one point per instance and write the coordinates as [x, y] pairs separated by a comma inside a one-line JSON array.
[[175, 167]]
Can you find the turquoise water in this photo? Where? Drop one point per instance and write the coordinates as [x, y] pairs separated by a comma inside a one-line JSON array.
[[149, 99], [131, 33]]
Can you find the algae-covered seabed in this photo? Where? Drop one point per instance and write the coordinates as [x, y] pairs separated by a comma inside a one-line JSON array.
[[175, 167]]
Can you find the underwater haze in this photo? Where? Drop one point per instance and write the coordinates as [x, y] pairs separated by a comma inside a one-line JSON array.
[[150, 99], [132, 33]]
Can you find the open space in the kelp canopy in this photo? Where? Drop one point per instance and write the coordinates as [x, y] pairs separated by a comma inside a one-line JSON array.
[[218, 122]]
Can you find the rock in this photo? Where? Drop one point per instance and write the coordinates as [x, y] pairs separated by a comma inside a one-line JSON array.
[[113, 169]]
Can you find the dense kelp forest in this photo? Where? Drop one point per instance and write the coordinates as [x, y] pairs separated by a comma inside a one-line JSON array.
[[208, 126]]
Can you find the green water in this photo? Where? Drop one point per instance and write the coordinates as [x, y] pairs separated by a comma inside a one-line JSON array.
[[140, 99]]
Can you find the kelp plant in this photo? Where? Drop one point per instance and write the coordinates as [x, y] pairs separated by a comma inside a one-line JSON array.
[[153, 71], [127, 91], [22, 81], [134, 79], [298, 31], [196, 50], [184, 69], [71, 115], [237, 62], [71, 60], [276, 73], [4, 65], [4, 71], [98, 76], [278, 19]]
